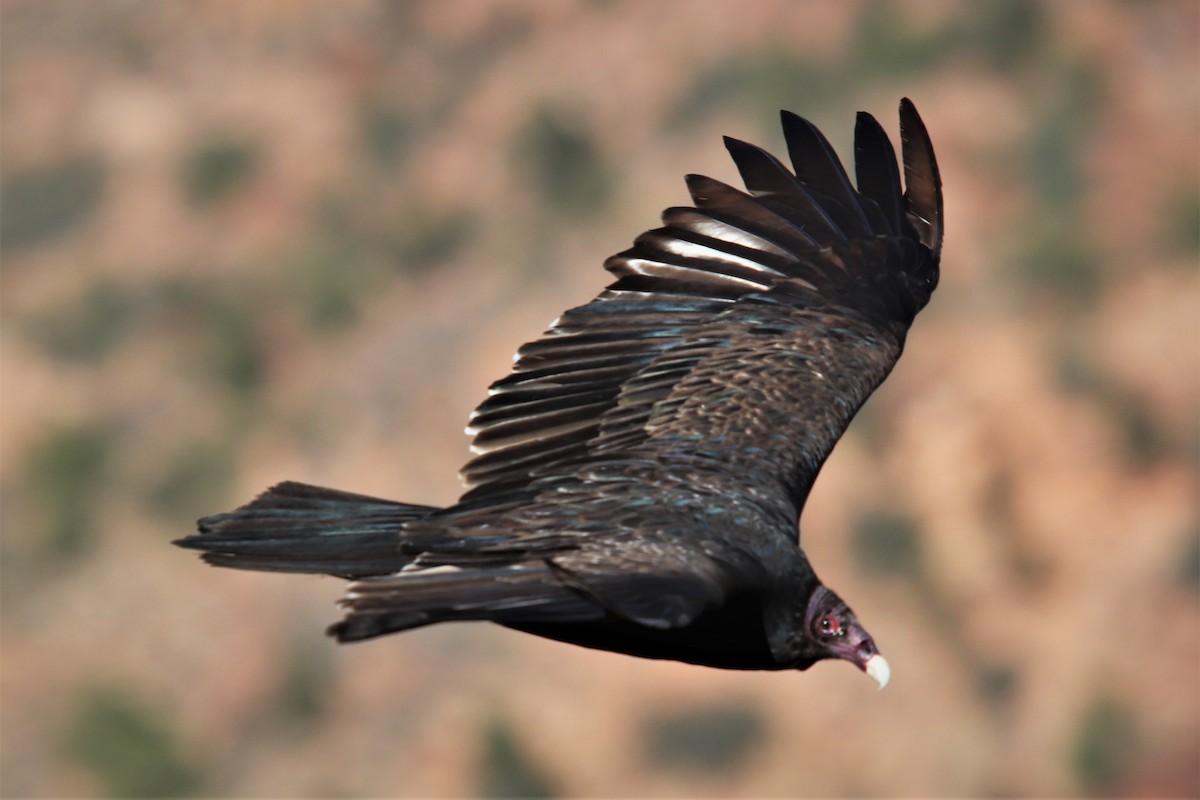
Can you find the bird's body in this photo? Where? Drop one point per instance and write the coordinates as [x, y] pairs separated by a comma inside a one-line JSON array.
[[640, 474]]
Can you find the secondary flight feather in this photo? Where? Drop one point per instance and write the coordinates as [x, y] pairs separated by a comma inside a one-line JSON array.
[[639, 475]]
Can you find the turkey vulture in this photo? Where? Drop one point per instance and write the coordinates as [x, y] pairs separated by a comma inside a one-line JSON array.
[[639, 475]]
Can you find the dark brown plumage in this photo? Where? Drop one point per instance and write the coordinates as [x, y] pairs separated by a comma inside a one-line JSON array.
[[640, 474]]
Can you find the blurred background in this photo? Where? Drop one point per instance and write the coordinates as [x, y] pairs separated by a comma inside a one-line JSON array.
[[247, 242]]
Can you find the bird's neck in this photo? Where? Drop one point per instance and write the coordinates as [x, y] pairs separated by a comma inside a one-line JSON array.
[[785, 610]]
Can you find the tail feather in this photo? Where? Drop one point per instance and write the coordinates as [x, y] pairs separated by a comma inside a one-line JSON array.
[[294, 527]]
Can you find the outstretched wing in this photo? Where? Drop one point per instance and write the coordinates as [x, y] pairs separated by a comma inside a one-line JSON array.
[[744, 334]]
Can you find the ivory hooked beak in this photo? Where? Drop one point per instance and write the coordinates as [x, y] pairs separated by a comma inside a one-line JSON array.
[[877, 667]]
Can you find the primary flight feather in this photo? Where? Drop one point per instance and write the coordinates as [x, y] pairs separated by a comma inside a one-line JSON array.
[[639, 475]]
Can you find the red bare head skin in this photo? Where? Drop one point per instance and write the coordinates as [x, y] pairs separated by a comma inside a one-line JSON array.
[[837, 633]]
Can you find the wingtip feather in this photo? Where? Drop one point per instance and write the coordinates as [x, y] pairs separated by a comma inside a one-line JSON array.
[[922, 179], [877, 170]]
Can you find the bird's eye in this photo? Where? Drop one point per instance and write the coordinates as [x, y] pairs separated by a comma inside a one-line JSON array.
[[831, 626]]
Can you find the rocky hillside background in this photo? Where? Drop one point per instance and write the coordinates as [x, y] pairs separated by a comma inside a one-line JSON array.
[[244, 242]]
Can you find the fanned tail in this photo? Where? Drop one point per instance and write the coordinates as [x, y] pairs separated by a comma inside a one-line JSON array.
[[294, 527]]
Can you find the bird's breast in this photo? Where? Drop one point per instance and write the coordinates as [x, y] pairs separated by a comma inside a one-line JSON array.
[[729, 637]]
